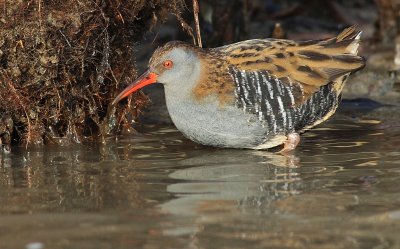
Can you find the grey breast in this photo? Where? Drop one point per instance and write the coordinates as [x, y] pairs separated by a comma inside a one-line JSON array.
[[209, 123]]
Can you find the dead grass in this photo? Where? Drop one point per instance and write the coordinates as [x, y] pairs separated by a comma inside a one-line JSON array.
[[62, 63]]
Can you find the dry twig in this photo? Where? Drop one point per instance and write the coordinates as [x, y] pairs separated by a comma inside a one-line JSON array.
[[196, 22], [186, 27]]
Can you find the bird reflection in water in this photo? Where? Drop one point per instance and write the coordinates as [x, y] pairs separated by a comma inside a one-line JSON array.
[[220, 184]]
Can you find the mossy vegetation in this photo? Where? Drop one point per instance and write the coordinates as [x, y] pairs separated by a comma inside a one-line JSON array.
[[63, 62]]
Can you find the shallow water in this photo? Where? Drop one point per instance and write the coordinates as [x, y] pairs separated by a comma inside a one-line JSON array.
[[340, 189]]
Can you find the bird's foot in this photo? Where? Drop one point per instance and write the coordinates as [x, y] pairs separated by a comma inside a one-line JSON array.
[[293, 139]]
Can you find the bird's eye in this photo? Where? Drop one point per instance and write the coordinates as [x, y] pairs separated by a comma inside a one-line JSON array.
[[168, 64]]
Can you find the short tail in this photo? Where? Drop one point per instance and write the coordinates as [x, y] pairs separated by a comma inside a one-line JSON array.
[[330, 60], [344, 48], [351, 35], [333, 57]]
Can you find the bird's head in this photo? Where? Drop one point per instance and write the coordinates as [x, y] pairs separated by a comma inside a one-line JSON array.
[[169, 65]]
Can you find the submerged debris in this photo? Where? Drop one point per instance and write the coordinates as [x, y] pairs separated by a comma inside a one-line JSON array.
[[60, 69]]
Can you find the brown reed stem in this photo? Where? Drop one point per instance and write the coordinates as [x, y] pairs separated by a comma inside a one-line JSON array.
[[196, 21]]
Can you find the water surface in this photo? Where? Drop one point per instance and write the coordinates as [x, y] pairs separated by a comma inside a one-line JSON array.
[[340, 189]]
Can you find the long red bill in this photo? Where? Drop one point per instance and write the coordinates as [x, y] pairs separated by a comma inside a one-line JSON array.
[[145, 79]]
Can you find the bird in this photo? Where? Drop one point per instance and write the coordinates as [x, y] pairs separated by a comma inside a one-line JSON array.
[[254, 94]]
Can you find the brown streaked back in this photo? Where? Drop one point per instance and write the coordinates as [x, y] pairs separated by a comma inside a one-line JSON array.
[[310, 64]]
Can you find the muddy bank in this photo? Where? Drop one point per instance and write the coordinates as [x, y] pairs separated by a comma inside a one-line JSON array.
[[62, 63]]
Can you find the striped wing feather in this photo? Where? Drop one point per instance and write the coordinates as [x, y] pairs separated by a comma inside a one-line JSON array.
[[309, 64]]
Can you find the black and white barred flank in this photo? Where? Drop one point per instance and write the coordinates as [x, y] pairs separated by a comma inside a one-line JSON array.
[[273, 102]]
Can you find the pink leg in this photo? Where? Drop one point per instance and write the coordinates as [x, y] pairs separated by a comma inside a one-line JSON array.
[[291, 143]]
